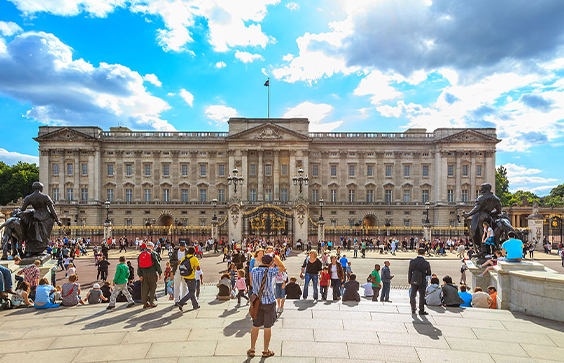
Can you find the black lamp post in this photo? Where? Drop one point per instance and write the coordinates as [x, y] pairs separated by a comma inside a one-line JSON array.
[[235, 179], [321, 206], [214, 202], [427, 206], [107, 205], [300, 179]]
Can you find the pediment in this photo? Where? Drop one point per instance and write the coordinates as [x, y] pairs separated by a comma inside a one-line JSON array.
[[65, 133], [268, 132], [469, 136]]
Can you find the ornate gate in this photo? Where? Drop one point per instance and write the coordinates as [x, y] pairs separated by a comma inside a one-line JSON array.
[[268, 221]]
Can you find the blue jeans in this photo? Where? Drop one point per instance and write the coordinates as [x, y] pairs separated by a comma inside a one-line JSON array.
[[336, 285], [315, 279], [191, 283], [6, 279], [385, 296]]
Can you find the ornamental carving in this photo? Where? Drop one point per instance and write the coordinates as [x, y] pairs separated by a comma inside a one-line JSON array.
[[234, 212], [301, 211], [269, 133]]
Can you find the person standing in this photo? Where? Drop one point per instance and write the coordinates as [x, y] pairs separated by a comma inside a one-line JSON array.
[[386, 277], [103, 265], [120, 284], [337, 276], [376, 282], [191, 262], [149, 271], [179, 285], [419, 269], [263, 279], [463, 270], [311, 268]]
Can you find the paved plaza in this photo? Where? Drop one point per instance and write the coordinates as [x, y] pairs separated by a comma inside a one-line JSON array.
[[326, 332]]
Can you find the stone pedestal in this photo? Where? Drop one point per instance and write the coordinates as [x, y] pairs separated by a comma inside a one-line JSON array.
[[427, 232], [300, 223], [44, 258], [536, 230], [320, 231], [107, 230], [215, 230], [235, 222]]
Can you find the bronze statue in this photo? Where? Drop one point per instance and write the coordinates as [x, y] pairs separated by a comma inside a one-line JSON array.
[[13, 234], [32, 226], [487, 209]]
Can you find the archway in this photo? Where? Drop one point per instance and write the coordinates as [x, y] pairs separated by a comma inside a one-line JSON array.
[[166, 220], [369, 221]]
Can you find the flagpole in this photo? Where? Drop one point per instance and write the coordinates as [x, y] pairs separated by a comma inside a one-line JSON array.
[[268, 108]]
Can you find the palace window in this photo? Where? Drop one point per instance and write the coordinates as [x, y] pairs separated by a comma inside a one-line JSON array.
[[464, 195], [333, 170], [84, 194], [284, 169], [268, 170], [253, 169], [478, 170], [268, 195], [166, 170], [203, 195], [184, 168], [406, 171], [203, 170], [84, 169], [221, 195], [464, 170], [450, 195], [370, 170], [284, 195], [425, 171], [370, 196], [184, 195], [166, 195], [128, 169], [110, 195], [55, 169], [147, 194], [424, 196], [351, 170], [252, 195], [388, 195], [450, 170], [388, 170], [147, 170], [129, 195], [315, 170], [221, 170], [315, 195], [352, 194], [406, 223], [70, 169], [110, 169], [333, 195]]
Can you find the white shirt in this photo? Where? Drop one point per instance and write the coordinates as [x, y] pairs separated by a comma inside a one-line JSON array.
[[197, 274], [368, 289], [334, 274], [181, 255]]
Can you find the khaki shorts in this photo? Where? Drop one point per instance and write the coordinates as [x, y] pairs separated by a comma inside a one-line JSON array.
[[266, 315]]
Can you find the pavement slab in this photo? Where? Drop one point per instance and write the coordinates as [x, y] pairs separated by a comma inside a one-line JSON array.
[[428, 355], [40, 356], [388, 353], [319, 349]]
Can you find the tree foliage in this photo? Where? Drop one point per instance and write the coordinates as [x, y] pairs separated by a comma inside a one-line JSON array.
[[16, 181], [555, 199], [502, 186]]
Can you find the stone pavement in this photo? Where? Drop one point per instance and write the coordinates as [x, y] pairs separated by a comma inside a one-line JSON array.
[[326, 332]]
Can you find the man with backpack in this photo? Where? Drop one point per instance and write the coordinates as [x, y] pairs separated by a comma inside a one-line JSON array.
[[187, 268], [179, 286], [149, 267], [419, 269]]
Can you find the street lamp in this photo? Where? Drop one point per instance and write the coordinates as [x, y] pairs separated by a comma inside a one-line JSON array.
[[427, 206], [300, 179], [321, 205], [235, 179], [107, 204], [214, 202]]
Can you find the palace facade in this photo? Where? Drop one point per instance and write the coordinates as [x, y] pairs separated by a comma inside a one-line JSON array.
[[165, 178]]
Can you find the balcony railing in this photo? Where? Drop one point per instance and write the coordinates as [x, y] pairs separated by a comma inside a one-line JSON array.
[[162, 134], [371, 135]]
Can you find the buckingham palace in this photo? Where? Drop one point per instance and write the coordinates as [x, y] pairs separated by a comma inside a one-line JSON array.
[[184, 178]]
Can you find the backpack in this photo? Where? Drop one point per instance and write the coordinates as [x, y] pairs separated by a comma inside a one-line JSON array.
[[417, 277], [145, 260], [185, 267]]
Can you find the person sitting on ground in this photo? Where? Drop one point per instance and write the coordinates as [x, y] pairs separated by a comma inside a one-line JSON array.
[[95, 295], [71, 292], [106, 291], [44, 295], [224, 286], [493, 294], [480, 299], [450, 293], [58, 293], [351, 289], [293, 290], [71, 270], [466, 296], [20, 296], [434, 293], [492, 262], [368, 292]]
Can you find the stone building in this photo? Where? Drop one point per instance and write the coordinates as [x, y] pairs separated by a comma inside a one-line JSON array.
[[160, 177]]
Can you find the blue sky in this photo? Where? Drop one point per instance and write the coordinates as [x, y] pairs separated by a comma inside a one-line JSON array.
[[347, 65]]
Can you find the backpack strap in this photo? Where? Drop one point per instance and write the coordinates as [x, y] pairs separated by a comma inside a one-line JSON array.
[[263, 283]]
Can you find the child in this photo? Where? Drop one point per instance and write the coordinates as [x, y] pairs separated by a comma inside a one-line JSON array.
[[280, 280], [233, 274], [170, 287], [53, 275], [224, 288], [325, 258], [20, 298], [348, 269], [293, 290], [368, 292], [167, 272], [241, 286], [58, 293], [491, 263], [95, 296], [71, 270], [199, 275], [324, 282]]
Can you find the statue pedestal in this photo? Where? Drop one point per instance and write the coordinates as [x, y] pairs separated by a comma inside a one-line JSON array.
[[320, 231], [215, 230], [44, 258], [107, 230], [427, 232]]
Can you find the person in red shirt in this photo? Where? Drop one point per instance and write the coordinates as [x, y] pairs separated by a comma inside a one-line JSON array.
[[324, 282]]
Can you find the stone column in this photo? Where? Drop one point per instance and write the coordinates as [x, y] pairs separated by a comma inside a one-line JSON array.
[[230, 166], [96, 171], [107, 230], [292, 193], [62, 174], [472, 196], [300, 222], [260, 176], [490, 168], [536, 230], [305, 166], [235, 222], [458, 171], [436, 193], [215, 230], [427, 232], [276, 173], [320, 231], [245, 171], [44, 170]]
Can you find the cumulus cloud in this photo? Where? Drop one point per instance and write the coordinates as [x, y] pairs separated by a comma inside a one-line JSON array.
[[220, 114], [220, 65], [247, 57], [316, 113], [292, 6], [377, 85], [151, 78], [38, 68], [537, 102], [187, 96], [12, 157], [230, 23], [9, 28]]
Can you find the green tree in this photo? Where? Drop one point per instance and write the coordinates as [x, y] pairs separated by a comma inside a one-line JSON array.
[[552, 201], [520, 195], [558, 191], [16, 181], [502, 185]]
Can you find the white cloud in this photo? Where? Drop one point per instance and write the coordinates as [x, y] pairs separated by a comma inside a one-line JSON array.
[[378, 86], [12, 157], [220, 65], [9, 28], [315, 113], [151, 78], [288, 57], [98, 8], [187, 96], [524, 180], [263, 70], [293, 6], [247, 57], [38, 68], [519, 170], [170, 94], [544, 188], [220, 114]]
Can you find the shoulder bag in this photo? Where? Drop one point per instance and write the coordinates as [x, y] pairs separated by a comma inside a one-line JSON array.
[[255, 299]]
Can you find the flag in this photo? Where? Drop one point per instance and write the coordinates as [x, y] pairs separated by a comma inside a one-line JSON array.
[[267, 83]]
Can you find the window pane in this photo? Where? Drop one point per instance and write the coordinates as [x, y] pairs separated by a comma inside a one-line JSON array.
[[268, 195], [252, 195], [184, 195], [351, 195], [406, 171], [333, 170], [253, 169], [221, 195], [84, 193], [284, 169], [450, 170], [464, 170], [370, 170], [184, 170], [425, 170], [203, 170], [147, 193], [268, 170], [407, 196], [284, 195], [388, 170], [425, 196], [478, 170], [333, 195], [351, 170], [166, 195], [221, 170], [315, 195], [315, 170], [388, 196], [110, 195], [70, 170], [110, 169], [129, 169], [166, 170], [370, 196], [55, 169], [203, 195], [84, 169], [147, 170]]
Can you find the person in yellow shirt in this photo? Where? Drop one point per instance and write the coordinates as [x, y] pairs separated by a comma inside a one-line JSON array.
[[187, 268]]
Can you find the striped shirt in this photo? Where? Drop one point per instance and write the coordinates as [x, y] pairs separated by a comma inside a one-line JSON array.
[[257, 273]]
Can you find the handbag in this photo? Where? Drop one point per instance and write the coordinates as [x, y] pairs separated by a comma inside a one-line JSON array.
[[255, 299]]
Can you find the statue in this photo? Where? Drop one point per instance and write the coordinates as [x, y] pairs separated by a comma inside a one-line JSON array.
[[32, 226], [13, 234], [487, 209]]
